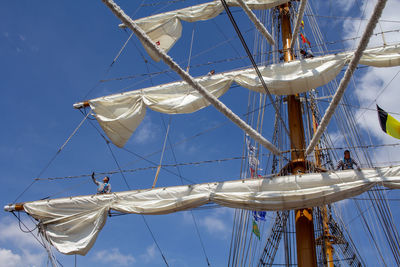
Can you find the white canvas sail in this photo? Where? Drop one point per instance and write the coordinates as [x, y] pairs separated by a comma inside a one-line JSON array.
[[385, 56], [120, 114], [72, 224], [165, 29]]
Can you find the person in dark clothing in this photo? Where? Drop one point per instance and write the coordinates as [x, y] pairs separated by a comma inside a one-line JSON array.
[[102, 187], [211, 73], [306, 54], [347, 162]]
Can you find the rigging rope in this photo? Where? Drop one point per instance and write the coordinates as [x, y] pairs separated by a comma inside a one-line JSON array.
[[154, 239], [208, 161], [54, 157], [377, 96], [346, 78], [120, 170], [253, 62], [31, 232], [122, 48], [155, 164], [298, 22], [369, 231], [144, 219], [117, 11], [191, 211], [347, 18], [116, 162], [235, 58]]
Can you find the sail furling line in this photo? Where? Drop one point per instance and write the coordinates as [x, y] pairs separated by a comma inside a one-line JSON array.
[[347, 75], [221, 107]]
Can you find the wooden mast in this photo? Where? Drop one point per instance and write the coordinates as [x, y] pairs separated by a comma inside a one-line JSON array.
[[326, 236], [305, 240]]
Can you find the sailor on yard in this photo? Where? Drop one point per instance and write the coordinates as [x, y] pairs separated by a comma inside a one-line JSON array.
[[103, 187], [347, 162], [306, 54]]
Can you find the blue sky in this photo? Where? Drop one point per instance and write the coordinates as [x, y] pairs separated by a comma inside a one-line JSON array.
[[54, 53]]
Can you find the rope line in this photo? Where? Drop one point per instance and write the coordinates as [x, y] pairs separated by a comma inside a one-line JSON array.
[[348, 18], [191, 211], [154, 239], [237, 58], [30, 231], [299, 19], [221, 107], [211, 161], [155, 164], [53, 158], [144, 219], [116, 162], [346, 78], [255, 68]]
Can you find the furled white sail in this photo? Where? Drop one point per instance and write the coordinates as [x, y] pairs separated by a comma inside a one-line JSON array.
[[385, 56], [72, 224], [120, 114], [165, 29]]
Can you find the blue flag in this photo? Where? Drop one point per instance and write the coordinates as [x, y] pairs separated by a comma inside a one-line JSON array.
[[259, 215]]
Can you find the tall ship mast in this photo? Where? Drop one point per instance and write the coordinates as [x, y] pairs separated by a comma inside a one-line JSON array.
[[285, 201]]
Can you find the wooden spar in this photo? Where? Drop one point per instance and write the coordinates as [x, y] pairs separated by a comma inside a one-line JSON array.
[[305, 241], [14, 207], [80, 105]]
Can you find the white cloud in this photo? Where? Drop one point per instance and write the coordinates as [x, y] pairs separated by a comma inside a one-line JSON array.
[[146, 132], [10, 232], [217, 222], [345, 5], [9, 259], [26, 258], [150, 253], [213, 224], [189, 147], [375, 85], [26, 250], [115, 257], [187, 217]]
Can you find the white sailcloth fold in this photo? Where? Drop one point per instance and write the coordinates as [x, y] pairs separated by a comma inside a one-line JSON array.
[[165, 29], [120, 114], [386, 56], [72, 224]]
